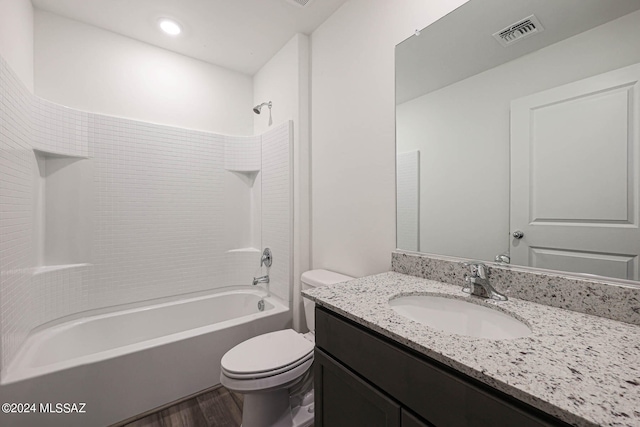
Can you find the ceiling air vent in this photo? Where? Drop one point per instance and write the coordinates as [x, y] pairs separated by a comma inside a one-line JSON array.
[[300, 3], [522, 29]]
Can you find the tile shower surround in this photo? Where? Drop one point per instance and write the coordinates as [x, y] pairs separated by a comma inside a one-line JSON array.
[[596, 297], [156, 193]]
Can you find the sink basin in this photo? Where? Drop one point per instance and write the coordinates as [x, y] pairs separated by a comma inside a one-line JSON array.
[[456, 316]]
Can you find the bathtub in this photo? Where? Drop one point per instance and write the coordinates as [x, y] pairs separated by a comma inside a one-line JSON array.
[[120, 364]]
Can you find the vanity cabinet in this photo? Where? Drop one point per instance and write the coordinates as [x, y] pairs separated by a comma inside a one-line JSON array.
[[365, 379], [348, 400]]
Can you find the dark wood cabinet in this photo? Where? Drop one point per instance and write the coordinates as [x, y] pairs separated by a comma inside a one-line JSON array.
[[408, 420], [348, 401], [365, 379]]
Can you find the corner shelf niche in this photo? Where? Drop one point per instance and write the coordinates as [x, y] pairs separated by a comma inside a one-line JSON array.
[[242, 207], [248, 177], [63, 210]]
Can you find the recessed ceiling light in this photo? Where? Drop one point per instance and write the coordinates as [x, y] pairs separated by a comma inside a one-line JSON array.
[[170, 27]]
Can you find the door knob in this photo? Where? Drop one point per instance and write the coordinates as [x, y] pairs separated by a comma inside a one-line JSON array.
[[518, 234]]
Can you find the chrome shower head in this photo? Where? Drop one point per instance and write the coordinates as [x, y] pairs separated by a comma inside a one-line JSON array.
[[257, 108]]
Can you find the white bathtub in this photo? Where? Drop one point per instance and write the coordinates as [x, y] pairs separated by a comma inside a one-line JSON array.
[[124, 363]]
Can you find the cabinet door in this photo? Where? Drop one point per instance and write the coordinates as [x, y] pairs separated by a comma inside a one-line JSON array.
[[409, 420], [344, 400]]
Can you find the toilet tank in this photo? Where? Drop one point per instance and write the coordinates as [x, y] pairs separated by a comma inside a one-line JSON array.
[[313, 279]]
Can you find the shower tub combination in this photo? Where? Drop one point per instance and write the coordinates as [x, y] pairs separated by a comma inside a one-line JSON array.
[[123, 363]]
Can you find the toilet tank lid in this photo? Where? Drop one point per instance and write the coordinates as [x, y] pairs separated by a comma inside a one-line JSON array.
[[317, 278]]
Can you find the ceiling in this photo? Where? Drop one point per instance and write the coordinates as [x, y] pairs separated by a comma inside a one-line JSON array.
[[241, 35], [461, 45]]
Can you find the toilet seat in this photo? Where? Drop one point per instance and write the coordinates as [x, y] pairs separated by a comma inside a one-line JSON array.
[[282, 380], [265, 374], [267, 355]]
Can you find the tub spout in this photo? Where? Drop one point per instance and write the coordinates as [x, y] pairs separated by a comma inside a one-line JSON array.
[[262, 279]]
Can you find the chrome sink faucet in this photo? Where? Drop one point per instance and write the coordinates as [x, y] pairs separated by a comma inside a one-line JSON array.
[[477, 283], [267, 260]]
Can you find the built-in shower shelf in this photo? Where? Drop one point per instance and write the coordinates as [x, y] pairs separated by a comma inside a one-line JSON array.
[[58, 155], [246, 176], [50, 268], [245, 171], [244, 250], [63, 203]]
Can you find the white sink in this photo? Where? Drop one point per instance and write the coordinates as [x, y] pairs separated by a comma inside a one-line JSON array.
[[456, 316]]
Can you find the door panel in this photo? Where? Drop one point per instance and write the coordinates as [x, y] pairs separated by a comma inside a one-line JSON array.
[[578, 155], [574, 176], [610, 265]]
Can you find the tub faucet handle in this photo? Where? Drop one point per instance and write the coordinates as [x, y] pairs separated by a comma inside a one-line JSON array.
[[267, 258]]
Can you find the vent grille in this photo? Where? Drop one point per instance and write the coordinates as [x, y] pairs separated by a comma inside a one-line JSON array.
[[300, 3], [520, 30]]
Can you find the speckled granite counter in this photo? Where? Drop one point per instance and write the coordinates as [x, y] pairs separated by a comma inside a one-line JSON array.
[[580, 368]]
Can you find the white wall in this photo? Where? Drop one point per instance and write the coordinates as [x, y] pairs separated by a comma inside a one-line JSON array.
[[352, 134], [284, 80], [277, 81], [16, 38], [470, 163], [87, 68]]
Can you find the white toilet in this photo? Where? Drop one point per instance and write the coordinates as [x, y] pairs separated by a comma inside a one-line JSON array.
[[273, 370]]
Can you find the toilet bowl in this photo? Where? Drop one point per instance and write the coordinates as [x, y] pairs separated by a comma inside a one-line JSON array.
[[273, 370]]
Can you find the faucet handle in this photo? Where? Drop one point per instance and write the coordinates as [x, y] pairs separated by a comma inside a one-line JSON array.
[[267, 258], [503, 258], [482, 270], [478, 269]]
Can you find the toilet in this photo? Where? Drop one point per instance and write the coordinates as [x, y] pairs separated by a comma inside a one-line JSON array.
[[273, 370]]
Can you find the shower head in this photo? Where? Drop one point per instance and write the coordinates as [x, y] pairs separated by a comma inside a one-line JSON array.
[[257, 108]]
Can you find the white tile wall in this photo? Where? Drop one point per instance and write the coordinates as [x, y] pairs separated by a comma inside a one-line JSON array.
[[242, 153], [276, 206], [158, 200], [241, 266], [59, 293], [58, 129], [16, 230], [28, 123]]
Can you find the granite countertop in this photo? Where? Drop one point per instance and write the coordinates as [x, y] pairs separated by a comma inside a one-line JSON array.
[[580, 368]]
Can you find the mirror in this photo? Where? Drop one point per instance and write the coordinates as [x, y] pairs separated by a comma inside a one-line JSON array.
[[517, 135]]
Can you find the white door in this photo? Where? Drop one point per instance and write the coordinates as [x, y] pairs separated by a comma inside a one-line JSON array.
[[575, 176]]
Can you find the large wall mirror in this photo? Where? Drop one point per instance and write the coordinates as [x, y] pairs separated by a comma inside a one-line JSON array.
[[518, 135]]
